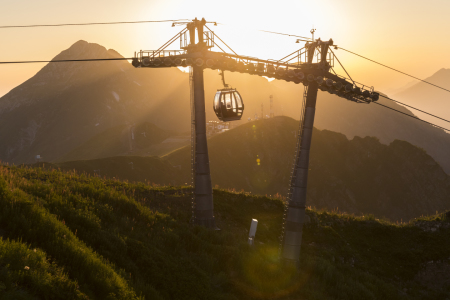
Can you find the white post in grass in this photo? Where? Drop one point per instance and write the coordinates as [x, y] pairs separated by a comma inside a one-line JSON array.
[[252, 232]]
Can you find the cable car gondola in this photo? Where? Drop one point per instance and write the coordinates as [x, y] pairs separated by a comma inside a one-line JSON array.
[[228, 104]]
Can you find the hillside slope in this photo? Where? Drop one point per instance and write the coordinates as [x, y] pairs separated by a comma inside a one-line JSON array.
[[397, 181], [64, 235], [144, 139]]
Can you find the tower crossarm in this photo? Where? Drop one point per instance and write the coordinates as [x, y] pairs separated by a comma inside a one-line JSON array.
[[304, 73]]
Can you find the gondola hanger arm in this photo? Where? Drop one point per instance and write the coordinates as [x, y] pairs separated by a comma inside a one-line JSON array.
[[222, 73]]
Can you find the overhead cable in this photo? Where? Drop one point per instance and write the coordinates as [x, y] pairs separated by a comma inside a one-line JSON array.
[[396, 70], [415, 108], [85, 24], [411, 116], [273, 32], [286, 34], [61, 60]]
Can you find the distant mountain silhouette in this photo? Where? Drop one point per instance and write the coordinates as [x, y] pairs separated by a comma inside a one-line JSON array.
[[430, 98], [65, 105]]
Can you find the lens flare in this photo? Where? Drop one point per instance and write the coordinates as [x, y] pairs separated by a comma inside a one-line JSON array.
[[263, 275]]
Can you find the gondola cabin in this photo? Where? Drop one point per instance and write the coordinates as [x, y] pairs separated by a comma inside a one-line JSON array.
[[228, 105]]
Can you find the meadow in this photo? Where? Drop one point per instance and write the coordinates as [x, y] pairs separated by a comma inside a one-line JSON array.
[[75, 236]]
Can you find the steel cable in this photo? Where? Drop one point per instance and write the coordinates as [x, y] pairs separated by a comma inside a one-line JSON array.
[[414, 117], [85, 24], [396, 70]]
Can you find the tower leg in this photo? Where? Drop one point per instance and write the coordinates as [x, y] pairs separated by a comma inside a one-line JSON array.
[[295, 215], [203, 213]]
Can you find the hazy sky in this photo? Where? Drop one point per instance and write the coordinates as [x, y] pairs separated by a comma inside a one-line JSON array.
[[410, 35]]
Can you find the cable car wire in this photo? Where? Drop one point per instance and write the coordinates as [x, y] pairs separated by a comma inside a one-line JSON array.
[[286, 34], [272, 32], [85, 24], [61, 60], [448, 121], [414, 117], [396, 70], [127, 22]]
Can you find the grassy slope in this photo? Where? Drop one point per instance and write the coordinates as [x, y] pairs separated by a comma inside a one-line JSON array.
[[103, 239]]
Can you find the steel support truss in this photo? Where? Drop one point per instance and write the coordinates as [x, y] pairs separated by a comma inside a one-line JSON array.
[[310, 65]]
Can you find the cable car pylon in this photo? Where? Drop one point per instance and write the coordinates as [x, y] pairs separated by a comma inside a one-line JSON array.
[[311, 65], [295, 213], [203, 206]]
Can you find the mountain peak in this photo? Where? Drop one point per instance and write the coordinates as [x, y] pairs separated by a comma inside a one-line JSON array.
[[113, 53], [83, 49], [441, 72], [80, 43]]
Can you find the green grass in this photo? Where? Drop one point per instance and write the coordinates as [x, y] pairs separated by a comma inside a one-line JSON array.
[[107, 239], [30, 268]]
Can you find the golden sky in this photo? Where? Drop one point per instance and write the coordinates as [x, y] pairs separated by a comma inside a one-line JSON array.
[[412, 36]]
